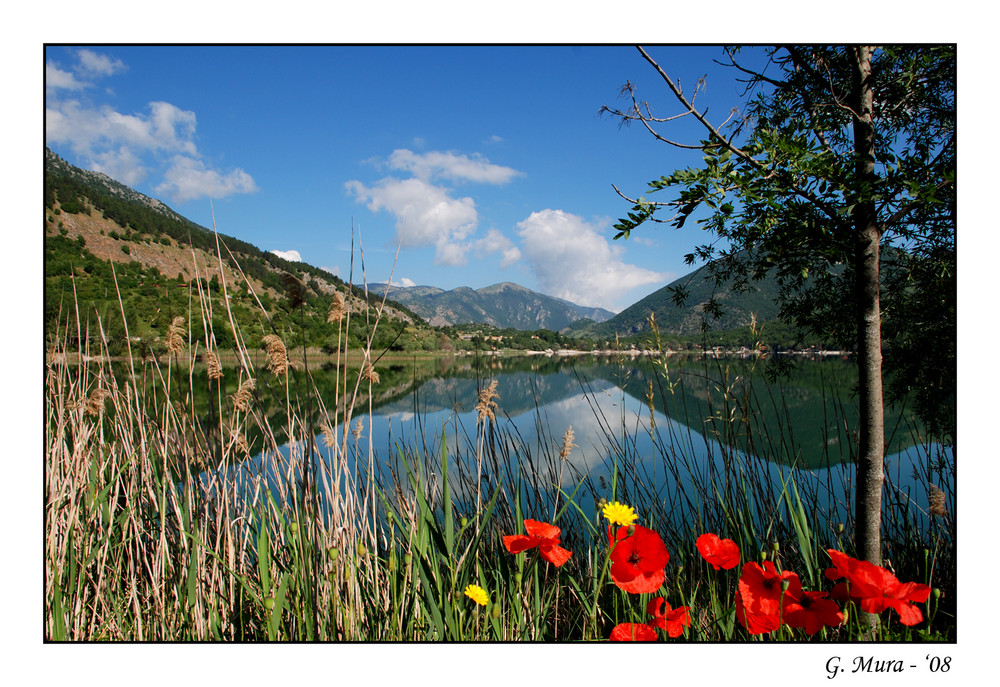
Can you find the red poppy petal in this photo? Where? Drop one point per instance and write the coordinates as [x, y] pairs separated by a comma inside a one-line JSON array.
[[556, 555], [516, 543], [633, 632], [913, 591], [655, 606], [542, 530], [908, 613], [646, 583], [676, 620]]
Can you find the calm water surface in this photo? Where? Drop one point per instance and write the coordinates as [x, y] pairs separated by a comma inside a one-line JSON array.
[[637, 427]]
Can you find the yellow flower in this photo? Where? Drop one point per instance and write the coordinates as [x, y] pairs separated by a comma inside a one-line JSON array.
[[477, 594], [620, 514]]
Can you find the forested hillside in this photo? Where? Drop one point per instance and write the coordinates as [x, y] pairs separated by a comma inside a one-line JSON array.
[[109, 250]]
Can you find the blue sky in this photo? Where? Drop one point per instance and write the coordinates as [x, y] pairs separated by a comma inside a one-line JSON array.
[[481, 164]]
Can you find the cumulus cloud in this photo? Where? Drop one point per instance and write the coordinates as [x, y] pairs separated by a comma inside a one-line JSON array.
[[56, 78], [188, 178], [435, 164], [97, 64], [290, 256], [426, 215], [572, 260], [427, 211], [129, 147], [496, 242]]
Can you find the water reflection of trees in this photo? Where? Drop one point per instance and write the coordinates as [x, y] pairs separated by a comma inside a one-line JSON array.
[[807, 416]]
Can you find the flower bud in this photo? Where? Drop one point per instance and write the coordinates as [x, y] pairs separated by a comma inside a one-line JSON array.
[[464, 522], [937, 593], [293, 528], [517, 579], [631, 530], [840, 528], [334, 552], [785, 584], [362, 550], [776, 547], [269, 603], [407, 559], [495, 611]]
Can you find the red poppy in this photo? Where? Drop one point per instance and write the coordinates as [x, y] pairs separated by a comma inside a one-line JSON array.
[[758, 597], [875, 589], [544, 536], [638, 560], [862, 578], [809, 610], [721, 553], [673, 621], [633, 632]]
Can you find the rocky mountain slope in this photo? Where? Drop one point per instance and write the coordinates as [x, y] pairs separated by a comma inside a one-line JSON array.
[[500, 305]]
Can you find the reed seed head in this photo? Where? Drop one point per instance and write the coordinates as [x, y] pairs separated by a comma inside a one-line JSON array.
[[937, 504], [370, 375], [329, 439], [95, 402], [214, 367], [243, 395], [277, 355], [337, 308], [487, 406], [567, 444], [175, 336], [358, 426]]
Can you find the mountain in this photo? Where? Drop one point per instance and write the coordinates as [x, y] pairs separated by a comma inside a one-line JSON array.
[[501, 305], [103, 238], [685, 319]]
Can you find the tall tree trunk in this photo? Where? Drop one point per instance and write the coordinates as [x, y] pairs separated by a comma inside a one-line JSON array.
[[871, 439]]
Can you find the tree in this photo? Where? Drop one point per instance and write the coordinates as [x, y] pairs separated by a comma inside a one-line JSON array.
[[842, 153]]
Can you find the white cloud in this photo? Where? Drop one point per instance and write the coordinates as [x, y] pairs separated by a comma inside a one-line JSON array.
[[188, 178], [290, 255], [129, 147], [496, 242], [435, 164], [91, 62], [404, 283], [121, 164], [426, 215], [572, 260], [332, 270], [59, 78]]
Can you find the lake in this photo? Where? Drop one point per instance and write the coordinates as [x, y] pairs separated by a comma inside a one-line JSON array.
[[674, 435]]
